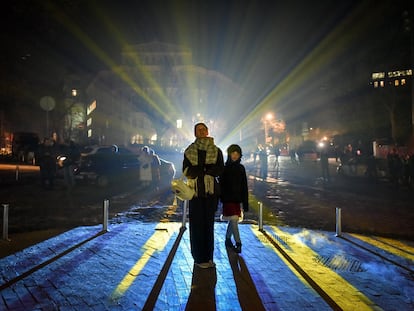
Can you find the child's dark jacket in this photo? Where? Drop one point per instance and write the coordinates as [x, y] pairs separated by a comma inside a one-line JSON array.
[[233, 184]]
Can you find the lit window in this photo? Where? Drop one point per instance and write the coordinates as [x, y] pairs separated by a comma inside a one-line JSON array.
[[179, 124], [378, 75], [382, 83], [396, 82], [91, 107], [90, 133], [375, 84], [137, 139], [403, 82], [89, 122]]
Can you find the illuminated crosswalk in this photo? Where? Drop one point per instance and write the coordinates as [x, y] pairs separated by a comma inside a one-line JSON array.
[[117, 270]]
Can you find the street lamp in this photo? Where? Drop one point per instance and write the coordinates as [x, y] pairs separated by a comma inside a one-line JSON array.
[[78, 114]]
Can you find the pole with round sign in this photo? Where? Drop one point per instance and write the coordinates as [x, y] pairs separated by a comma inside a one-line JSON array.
[[47, 103]]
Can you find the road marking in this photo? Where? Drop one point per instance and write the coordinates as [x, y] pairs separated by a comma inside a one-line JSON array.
[[156, 243], [389, 245], [343, 293]]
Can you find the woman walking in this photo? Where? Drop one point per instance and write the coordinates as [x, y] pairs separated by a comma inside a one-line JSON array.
[[234, 195]]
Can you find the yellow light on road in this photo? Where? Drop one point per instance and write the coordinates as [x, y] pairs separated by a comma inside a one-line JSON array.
[[156, 243], [343, 293]]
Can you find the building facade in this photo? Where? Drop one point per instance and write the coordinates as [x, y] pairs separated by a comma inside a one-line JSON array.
[[154, 97]]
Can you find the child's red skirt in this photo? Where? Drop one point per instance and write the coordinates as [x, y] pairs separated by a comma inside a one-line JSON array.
[[231, 209]]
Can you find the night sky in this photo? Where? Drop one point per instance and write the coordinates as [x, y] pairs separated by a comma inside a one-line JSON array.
[[289, 55]]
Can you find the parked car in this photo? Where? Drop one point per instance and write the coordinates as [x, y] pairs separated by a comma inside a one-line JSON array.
[[106, 164], [105, 168], [105, 149]]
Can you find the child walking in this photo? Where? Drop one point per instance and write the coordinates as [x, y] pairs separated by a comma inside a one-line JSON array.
[[234, 195]]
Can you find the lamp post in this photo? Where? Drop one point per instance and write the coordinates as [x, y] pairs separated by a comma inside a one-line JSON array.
[[79, 118], [47, 103], [71, 111]]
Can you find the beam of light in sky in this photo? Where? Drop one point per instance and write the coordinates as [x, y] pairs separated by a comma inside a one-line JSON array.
[[181, 26], [280, 56], [197, 81], [299, 82], [135, 58], [118, 70]]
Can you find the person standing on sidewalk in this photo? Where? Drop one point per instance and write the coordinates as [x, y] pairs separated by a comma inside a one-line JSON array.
[[47, 163], [203, 163], [72, 156], [234, 192], [324, 159], [263, 163]]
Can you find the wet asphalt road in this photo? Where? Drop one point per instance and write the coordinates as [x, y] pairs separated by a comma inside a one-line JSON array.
[[297, 195]]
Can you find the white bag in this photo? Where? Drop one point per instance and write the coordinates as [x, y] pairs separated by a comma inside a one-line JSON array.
[[181, 189]]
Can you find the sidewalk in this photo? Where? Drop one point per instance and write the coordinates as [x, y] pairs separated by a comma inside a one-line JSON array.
[[85, 269]]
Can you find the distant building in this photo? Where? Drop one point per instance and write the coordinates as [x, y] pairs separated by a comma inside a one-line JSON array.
[[154, 97], [398, 102], [394, 78]]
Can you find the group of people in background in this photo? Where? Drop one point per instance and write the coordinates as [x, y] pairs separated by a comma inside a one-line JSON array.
[[149, 171], [399, 165], [52, 156], [260, 157], [400, 168]]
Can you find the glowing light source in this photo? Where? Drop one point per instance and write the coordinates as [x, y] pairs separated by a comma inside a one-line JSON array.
[[179, 124], [269, 116]]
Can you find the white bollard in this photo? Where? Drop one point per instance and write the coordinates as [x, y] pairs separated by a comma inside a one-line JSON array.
[[6, 222], [338, 222], [185, 206], [260, 216], [105, 215]]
